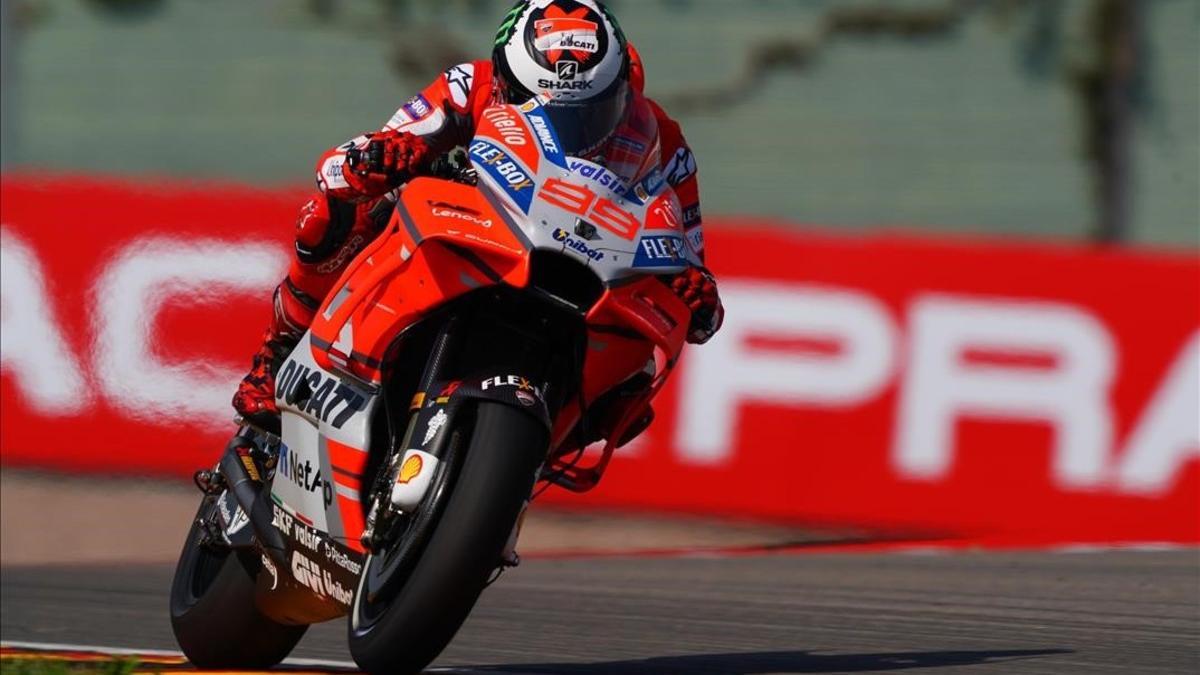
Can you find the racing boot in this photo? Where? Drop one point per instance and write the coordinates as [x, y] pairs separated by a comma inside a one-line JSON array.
[[293, 311], [329, 233], [255, 397]]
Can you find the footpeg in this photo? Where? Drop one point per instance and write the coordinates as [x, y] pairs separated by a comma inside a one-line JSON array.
[[209, 482], [269, 435]]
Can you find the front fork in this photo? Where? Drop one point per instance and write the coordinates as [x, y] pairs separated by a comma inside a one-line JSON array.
[[400, 488], [382, 510]]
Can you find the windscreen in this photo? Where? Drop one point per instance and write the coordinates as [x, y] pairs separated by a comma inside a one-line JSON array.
[[582, 126]]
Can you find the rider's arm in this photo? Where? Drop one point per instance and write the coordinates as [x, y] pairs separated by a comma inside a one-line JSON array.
[[696, 286], [429, 124], [679, 169]]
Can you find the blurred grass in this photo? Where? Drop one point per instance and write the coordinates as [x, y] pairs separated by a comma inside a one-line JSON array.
[[52, 666]]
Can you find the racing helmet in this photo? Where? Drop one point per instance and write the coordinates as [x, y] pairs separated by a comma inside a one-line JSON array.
[[574, 53]]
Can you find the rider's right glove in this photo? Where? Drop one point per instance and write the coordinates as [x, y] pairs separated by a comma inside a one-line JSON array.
[[697, 287], [387, 160]]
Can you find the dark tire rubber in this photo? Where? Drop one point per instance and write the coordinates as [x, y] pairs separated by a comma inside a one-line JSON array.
[[496, 478], [214, 616]]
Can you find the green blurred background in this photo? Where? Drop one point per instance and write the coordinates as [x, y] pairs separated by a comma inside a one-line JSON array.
[[1067, 119]]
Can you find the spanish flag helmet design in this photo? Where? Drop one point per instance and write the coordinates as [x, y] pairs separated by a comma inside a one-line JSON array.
[[572, 51]]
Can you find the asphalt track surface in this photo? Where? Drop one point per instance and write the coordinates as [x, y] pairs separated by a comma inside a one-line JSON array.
[[1098, 612]]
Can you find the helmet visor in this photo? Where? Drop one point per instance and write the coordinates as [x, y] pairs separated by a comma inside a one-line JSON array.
[[583, 126]]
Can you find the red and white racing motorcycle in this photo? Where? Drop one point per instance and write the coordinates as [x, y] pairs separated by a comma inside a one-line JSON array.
[[466, 356]]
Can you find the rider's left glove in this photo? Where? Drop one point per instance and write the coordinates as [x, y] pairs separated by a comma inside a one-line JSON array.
[[697, 287]]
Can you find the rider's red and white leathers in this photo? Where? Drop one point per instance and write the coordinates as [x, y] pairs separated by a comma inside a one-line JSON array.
[[339, 221], [351, 209]]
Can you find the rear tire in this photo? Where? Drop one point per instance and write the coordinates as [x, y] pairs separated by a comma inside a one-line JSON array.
[[213, 613], [414, 625]]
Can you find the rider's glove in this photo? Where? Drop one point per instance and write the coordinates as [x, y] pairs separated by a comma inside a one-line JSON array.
[[698, 290], [388, 159]]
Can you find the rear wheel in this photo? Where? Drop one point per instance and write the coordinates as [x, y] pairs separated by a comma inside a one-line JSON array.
[[407, 626], [213, 614]]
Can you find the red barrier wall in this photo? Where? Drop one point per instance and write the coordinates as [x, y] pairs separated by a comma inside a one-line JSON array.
[[966, 387]]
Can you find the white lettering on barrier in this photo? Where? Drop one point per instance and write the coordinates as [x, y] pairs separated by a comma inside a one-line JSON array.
[[132, 290], [727, 372], [35, 351], [941, 387], [1168, 434], [1071, 392], [1069, 388]]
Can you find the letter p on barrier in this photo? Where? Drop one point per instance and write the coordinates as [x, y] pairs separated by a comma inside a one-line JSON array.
[[731, 370]]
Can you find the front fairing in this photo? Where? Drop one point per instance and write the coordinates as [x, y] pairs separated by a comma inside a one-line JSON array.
[[618, 228]]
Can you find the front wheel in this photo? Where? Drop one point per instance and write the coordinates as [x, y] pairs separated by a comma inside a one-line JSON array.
[[405, 630], [213, 614]]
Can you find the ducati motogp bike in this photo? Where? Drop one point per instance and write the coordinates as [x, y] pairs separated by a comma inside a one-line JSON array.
[[505, 333]]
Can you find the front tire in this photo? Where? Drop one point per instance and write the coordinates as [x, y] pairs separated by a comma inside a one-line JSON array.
[[404, 632], [213, 613]]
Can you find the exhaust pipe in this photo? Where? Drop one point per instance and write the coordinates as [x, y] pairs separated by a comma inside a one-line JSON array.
[[244, 481]]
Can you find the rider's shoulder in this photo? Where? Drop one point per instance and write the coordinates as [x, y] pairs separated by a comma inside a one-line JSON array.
[[670, 133], [463, 81], [659, 112]]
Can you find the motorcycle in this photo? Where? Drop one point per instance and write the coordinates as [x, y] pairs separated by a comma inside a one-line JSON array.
[[467, 359]]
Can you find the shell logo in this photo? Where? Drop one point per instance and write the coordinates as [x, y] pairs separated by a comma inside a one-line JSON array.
[[410, 469]]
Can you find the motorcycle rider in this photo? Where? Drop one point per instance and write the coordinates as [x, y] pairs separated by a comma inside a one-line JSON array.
[[571, 51]]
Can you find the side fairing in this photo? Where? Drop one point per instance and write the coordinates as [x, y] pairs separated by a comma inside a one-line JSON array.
[[325, 441], [445, 239]]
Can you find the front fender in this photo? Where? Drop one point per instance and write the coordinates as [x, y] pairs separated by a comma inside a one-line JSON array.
[[439, 406]]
